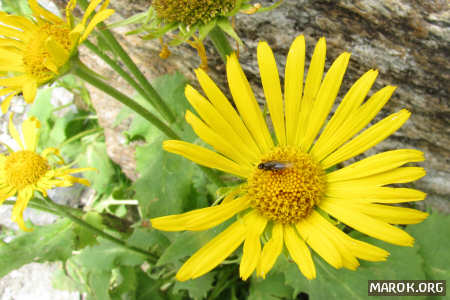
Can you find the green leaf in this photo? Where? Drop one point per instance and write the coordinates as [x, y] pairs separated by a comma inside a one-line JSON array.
[[148, 238], [403, 263], [185, 244], [85, 237], [433, 240], [125, 283], [149, 288], [46, 243], [271, 288], [197, 288], [107, 255], [98, 282], [16, 7], [95, 156], [225, 25]]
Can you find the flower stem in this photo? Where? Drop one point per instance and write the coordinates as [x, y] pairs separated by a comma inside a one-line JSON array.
[[128, 78], [83, 72], [150, 92], [220, 42], [65, 213]]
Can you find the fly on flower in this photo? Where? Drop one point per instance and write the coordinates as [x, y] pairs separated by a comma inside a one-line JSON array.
[[24, 171], [294, 208], [34, 51]]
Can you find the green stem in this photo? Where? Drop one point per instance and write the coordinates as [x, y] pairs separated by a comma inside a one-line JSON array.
[[80, 70], [65, 213], [150, 92], [116, 67], [33, 205], [220, 42], [79, 136]]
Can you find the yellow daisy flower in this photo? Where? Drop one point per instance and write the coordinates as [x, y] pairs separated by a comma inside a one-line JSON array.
[[291, 194], [37, 50], [24, 171]]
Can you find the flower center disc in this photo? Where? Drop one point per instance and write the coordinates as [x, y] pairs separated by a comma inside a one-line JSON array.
[[287, 185], [190, 12], [24, 168], [36, 55]]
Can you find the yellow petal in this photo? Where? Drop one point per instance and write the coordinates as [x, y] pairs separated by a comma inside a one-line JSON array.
[[225, 111], [75, 34], [388, 214], [368, 138], [6, 193], [69, 10], [7, 43], [293, 87], [368, 225], [14, 33], [18, 22], [216, 121], [375, 164], [319, 243], [271, 251], [14, 133], [246, 104], [205, 157], [312, 85], [203, 218], [42, 13], [350, 192], [215, 140], [30, 131], [255, 225], [272, 89], [325, 99], [214, 252], [14, 82], [357, 248], [29, 91], [23, 197], [354, 97], [399, 175], [299, 252], [89, 10], [58, 54], [6, 102], [332, 234], [99, 17]]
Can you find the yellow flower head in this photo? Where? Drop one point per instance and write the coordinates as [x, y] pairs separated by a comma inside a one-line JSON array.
[[190, 12], [290, 193], [37, 50], [24, 171]]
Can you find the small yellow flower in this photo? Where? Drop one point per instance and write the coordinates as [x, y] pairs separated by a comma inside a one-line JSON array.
[[290, 193], [37, 50], [24, 171]]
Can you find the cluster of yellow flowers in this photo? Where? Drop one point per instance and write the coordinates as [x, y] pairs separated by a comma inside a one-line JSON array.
[[291, 192], [33, 52]]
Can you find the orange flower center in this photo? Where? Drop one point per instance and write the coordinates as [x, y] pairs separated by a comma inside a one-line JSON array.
[[286, 185], [24, 168]]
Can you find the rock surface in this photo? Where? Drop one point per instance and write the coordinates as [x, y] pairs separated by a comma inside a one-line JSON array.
[[407, 41]]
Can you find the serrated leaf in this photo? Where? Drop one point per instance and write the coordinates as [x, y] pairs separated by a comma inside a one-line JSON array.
[[46, 243], [433, 240], [271, 288], [197, 288], [95, 156], [98, 282], [148, 238], [86, 237], [107, 255], [403, 263], [226, 26], [186, 244]]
